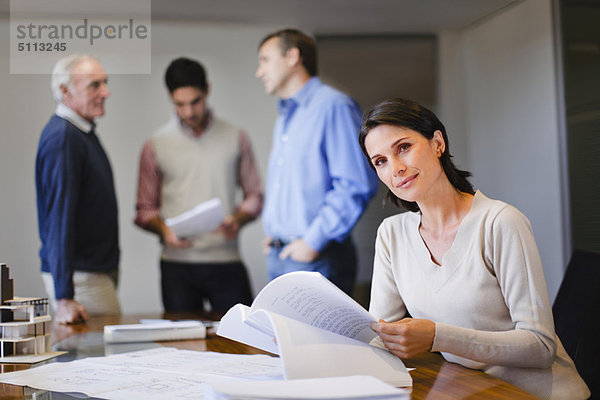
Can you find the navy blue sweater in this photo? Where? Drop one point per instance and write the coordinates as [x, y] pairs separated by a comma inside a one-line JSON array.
[[77, 206]]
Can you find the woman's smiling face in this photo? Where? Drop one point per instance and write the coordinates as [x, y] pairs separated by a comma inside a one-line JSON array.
[[405, 160]]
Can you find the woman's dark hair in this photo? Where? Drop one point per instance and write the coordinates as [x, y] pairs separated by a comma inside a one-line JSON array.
[[183, 72], [411, 115]]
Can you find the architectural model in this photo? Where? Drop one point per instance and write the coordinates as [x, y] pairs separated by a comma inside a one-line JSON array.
[[24, 325]]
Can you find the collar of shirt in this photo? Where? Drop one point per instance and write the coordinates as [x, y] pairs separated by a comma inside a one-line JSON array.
[[66, 113], [301, 98], [286, 107], [189, 131]]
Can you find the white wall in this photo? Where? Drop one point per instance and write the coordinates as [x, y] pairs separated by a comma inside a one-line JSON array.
[[498, 96], [138, 105]]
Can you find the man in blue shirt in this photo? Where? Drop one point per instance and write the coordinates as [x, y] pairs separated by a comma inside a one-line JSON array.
[[77, 206], [318, 184]]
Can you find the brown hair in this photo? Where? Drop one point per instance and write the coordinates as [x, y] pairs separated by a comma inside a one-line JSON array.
[[293, 38]]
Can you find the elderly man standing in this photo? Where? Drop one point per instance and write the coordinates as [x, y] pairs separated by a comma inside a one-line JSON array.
[[318, 184], [77, 206]]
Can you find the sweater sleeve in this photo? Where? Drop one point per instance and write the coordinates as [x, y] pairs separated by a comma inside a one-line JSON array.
[[59, 166], [149, 185], [511, 248], [353, 182], [386, 302]]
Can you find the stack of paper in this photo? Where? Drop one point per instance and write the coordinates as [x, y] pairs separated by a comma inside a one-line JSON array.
[[168, 373], [347, 387], [317, 330], [203, 218], [166, 330]]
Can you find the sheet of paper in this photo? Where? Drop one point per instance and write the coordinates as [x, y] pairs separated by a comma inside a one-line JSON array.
[[147, 374], [310, 298], [347, 387], [310, 352], [221, 364], [168, 387], [232, 326], [203, 218], [76, 377]]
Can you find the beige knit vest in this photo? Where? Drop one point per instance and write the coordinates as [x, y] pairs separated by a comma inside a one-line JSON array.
[[195, 170]]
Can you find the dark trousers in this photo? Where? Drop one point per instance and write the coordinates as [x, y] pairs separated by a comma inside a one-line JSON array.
[[337, 262], [186, 286]]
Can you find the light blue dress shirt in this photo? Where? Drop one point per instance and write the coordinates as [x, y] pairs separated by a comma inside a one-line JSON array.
[[318, 180]]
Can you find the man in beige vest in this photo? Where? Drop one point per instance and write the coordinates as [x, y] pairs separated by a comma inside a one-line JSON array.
[[193, 158]]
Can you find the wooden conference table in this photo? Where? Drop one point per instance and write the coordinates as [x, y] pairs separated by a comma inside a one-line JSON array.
[[433, 377]]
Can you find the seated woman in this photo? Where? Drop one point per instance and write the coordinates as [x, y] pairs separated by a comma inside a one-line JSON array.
[[465, 267]]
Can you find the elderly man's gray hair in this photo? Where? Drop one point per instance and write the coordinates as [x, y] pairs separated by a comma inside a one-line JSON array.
[[61, 74]]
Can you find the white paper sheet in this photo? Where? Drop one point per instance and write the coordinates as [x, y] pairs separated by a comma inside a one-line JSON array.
[[147, 374], [232, 326], [347, 387], [203, 218], [318, 353]]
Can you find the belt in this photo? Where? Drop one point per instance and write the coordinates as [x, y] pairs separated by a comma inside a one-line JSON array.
[[277, 243]]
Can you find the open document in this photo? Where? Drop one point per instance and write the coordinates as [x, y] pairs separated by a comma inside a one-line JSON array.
[[203, 218], [317, 330]]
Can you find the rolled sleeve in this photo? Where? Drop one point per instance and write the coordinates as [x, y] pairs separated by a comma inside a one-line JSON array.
[[149, 184], [353, 182], [249, 179]]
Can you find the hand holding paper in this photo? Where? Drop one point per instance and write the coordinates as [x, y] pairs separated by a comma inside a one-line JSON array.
[[172, 240], [203, 218], [316, 329]]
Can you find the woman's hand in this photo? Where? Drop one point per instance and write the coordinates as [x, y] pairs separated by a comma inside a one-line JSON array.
[[407, 337]]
